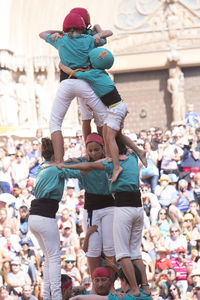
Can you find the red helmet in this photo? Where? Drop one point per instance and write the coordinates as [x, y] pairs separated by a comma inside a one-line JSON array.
[[73, 20], [83, 13]]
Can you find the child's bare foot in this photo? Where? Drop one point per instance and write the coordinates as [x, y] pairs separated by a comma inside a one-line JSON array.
[[143, 158], [115, 174], [134, 292], [123, 157], [145, 288]]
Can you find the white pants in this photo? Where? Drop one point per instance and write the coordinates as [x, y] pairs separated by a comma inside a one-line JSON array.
[[127, 231], [67, 91], [103, 239], [47, 233], [116, 115]]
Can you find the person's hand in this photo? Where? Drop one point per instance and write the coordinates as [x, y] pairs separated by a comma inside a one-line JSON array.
[[92, 229], [44, 166], [97, 38], [54, 36], [123, 157]]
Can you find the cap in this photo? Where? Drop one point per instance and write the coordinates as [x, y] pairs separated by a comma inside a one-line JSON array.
[[87, 280], [94, 137], [197, 237], [70, 257], [162, 249], [195, 272], [100, 272], [67, 224], [70, 183], [15, 261], [164, 177], [82, 235], [180, 249], [7, 198], [30, 182], [73, 20], [25, 241], [83, 13], [188, 216], [101, 58]]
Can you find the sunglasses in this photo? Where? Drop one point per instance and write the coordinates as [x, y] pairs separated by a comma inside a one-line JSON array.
[[172, 231], [70, 262], [162, 213], [19, 155]]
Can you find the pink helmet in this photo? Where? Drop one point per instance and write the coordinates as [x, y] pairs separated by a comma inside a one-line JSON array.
[[83, 13], [73, 20]]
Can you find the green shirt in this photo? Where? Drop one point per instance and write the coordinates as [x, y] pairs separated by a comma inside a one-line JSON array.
[[50, 182]]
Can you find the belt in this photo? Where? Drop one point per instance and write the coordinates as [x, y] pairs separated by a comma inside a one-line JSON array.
[[115, 104]]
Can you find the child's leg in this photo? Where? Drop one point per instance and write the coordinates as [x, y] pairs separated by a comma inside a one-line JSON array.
[[140, 153], [114, 152], [59, 109], [129, 272], [86, 128], [144, 285]]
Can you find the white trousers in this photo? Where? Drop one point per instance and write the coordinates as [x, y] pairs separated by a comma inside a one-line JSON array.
[[102, 240], [47, 233], [67, 91], [127, 231]]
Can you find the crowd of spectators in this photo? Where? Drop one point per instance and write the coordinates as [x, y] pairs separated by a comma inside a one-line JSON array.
[[170, 190]]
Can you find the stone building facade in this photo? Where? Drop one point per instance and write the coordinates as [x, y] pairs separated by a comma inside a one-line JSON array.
[[156, 44]]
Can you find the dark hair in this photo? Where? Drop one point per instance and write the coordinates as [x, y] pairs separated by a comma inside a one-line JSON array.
[[169, 293], [24, 208], [137, 275], [64, 279], [121, 146], [47, 149]]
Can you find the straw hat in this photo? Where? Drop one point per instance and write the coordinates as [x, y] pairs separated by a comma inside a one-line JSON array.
[[164, 177]]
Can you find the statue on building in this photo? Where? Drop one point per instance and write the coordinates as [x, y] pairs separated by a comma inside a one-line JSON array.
[[24, 102], [175, 86], [42, 101], [8, 103]]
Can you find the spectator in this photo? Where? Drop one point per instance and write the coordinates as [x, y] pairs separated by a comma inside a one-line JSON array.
[[70, 239], [16, 278], [169, 155], [10, 242], [195, 279], [155, 294], [23, 225], [162, 262], [195, 210], [150, 201], [5, 167], [183, 266], [165, 191], [71, 270], [163, 221], [189, 229], [175, 240], [20, 170], [4, 293], [174, 292], [65, 217], [158, 137], [196, 292], [197, 239], [27, 293], [196, 188], [151, 173], [191, 117], [66, 286], [167, 278], [180, 201], [153, 240], [34, 158]]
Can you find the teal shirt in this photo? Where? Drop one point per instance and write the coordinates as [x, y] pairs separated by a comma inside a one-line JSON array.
[[50, 182], [73, 52], [100, 81], [129, 297], [128, 179], [94, 182]]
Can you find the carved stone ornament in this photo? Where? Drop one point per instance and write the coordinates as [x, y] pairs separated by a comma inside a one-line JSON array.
[[156, 24]]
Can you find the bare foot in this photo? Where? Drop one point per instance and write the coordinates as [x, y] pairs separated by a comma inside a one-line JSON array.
[[145, 288], [115, 174], [143, 158], [134, 292]]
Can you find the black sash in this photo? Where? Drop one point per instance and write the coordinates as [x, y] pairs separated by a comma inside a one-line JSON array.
[[111, 98], [132, 199], [44, 207]]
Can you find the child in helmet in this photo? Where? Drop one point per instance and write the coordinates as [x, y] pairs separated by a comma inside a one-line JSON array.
[[73, 46], [104, 87]]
